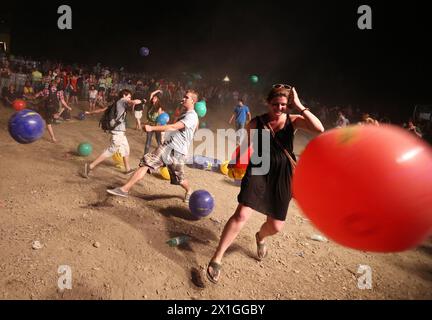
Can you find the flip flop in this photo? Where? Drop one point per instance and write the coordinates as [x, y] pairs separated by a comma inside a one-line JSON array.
[[214, 276], [261, 248]]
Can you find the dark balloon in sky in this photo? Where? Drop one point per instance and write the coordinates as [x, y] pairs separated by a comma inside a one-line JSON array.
[[144, 51]]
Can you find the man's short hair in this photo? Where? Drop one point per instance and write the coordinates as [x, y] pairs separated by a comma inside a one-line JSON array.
[[194, 95]]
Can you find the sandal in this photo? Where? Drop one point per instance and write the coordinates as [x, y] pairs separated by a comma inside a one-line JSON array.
[[261, 248], [213, 276]]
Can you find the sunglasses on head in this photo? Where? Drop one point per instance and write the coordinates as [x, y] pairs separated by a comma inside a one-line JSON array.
[[281, 85]]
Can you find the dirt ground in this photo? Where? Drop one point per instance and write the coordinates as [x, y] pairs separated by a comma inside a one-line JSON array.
[[43, 198]]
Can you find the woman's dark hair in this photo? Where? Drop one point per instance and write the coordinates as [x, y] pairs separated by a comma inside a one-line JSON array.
[[157, 104], [123, 93], [278, 92]]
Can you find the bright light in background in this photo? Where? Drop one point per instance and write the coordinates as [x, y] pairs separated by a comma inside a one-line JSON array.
[[226, 79], [409, 155]]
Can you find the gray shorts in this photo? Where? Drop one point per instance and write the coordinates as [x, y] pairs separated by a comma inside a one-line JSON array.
[[166, 156]]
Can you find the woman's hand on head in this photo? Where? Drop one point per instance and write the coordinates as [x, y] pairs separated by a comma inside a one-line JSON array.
[[294, 99]]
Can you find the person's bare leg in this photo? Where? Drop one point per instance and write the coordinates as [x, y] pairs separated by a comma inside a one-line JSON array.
[[98, 160], [270, 228], [126, 163], [231, 231], [51, 132], [137, 176], [185, 185]]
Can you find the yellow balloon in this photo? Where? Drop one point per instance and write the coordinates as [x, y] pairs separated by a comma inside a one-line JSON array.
[[224, 167], [118, 160], [164, 172], [236, 174]]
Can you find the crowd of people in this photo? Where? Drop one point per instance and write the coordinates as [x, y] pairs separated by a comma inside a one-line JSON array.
[[61, 88], [100, 85]]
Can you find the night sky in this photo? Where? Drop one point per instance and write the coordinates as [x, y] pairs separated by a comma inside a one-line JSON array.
[[314, 45]]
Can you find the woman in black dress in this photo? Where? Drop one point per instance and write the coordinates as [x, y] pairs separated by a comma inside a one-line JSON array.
[[268, 193]]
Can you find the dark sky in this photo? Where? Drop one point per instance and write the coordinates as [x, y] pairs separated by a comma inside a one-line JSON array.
[[314, 45]]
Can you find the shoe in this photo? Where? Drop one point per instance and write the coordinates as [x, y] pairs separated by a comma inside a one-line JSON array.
[[187, 196], [262, 250], [118, 192], [213, 274], [85, 173]]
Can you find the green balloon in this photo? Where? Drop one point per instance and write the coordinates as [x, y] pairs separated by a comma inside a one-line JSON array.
[[254, 79], [201, 108], [85, 149], [203, 125]]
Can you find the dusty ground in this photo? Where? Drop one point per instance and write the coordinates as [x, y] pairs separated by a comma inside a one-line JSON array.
[[43, 198]]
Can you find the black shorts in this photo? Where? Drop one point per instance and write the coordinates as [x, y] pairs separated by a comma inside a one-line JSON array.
[[48, 113]]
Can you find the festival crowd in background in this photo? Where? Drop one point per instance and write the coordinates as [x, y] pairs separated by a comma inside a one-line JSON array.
[[99, 85]]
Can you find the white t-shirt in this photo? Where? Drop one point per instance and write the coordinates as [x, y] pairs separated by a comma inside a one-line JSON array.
[[180, 140], [93, 94]]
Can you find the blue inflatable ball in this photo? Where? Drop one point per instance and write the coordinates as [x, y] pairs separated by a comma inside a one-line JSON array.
[[201, 203], [163, 119], [26, 126], [144, 51], [81, 116]]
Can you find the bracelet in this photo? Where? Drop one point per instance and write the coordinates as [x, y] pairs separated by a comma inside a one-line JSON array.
[[305, 109]]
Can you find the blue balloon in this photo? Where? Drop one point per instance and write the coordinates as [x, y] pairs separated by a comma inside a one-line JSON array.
[[26, 126], [163, 119], [144, 51], [201, 203]]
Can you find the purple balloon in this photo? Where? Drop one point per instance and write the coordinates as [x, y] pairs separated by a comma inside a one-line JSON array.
[[201, 203], [26, 126], [144, 51]]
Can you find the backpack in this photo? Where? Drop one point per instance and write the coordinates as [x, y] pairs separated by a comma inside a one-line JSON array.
[[109, 119]]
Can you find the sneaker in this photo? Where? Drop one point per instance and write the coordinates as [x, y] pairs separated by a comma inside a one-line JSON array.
[[85, 173], [118, 192], [128, 173], [187, 196]]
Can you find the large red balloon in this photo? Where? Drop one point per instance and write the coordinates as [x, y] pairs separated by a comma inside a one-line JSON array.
[[19, 104], [367, 187]]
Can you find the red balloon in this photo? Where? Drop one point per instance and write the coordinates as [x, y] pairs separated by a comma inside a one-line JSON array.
[[367, 187], [19, 104], [241, 161]]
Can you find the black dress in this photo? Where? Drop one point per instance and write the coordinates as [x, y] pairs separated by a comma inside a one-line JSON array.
[[270, 193]]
